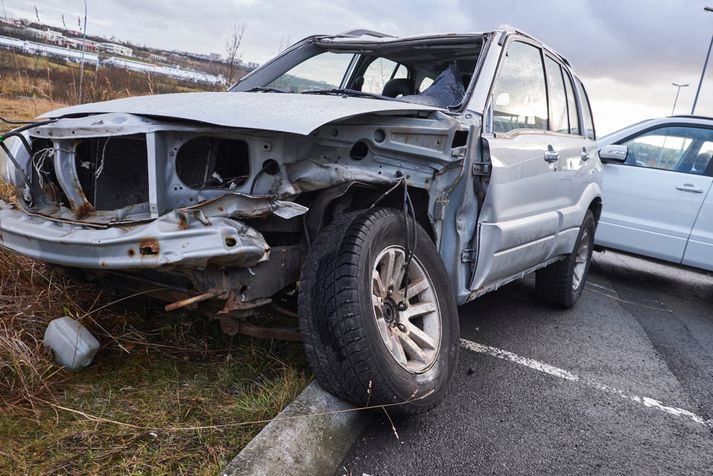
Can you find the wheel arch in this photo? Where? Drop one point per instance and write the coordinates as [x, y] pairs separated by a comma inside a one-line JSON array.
[[596, 208], [354, 196]]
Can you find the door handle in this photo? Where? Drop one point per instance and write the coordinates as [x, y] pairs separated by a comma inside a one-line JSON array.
[[551, 155], [584, 155], [689, 187]]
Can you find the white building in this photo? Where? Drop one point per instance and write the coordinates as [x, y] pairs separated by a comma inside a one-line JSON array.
[[114, 49]]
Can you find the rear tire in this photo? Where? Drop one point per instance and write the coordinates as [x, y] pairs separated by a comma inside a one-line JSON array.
[[360, 344], [561, 284]]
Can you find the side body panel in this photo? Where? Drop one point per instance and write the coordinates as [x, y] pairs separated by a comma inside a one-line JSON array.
[[646, 212], [519, 218], [699, 250]]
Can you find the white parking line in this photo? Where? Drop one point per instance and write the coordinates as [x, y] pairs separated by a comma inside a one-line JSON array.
[[566, 375]]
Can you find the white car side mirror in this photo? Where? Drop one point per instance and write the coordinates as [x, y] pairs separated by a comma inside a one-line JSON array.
[[614, 154]]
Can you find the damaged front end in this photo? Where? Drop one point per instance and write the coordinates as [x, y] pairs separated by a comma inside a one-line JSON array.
[[205, 216]]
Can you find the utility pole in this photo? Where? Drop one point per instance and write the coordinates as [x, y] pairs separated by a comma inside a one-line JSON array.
[[705, 66], [678, 91], [81, 64], [4, 12]]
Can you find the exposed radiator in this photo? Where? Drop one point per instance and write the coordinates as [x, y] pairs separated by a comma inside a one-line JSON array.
[[121, 164]]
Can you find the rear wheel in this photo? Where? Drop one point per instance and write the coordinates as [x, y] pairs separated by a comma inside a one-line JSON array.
[[379, 328], [561, 284]]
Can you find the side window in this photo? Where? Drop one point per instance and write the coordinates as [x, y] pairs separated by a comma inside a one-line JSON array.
[[425, 84], [571, 105], [324, 71], [379, 72], [519, 94], [703, 159], [681, 149], [589, 131], [559, 117]]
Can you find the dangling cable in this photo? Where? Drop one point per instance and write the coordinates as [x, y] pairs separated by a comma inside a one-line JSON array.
[[408, 206]]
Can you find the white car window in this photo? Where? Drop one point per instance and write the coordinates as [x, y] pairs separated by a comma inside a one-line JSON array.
[[681, 149]]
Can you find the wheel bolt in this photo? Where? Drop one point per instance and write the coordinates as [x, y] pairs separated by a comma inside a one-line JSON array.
[[401, 327]]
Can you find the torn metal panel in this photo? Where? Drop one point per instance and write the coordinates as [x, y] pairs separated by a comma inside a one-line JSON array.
[[291, 113], [240, 206], [167, 242]]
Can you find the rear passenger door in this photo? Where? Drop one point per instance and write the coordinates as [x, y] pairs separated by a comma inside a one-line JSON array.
[[519, 216], [571, 148]]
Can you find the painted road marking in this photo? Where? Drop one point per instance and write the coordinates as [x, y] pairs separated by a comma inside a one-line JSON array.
[[566, 375]]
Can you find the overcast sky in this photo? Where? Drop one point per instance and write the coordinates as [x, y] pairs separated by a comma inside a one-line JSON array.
[[628, 52]]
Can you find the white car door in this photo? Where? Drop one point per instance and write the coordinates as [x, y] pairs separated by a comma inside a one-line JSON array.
[[652, 200], [699, 249]]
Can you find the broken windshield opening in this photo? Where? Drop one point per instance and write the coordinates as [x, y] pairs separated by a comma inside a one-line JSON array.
[[322, 72], [406, 70]]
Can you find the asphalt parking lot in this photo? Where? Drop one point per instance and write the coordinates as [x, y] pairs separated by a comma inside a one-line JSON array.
[[622, 383]]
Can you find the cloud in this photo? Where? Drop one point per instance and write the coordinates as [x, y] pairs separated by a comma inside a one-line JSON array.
[[627, 52]]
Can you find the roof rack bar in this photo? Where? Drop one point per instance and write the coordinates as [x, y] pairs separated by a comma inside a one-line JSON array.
[[362, 32]]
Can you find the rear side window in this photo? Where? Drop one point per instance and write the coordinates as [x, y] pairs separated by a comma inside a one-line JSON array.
[[571, 105], [589, 130], [519, 94], [559, 117], [379, 72]]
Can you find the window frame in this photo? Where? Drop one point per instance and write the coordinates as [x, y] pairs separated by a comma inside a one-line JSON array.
[[645, 131], [577, 103], [566, 76], [545, 57], [583, 91], [501, 60]]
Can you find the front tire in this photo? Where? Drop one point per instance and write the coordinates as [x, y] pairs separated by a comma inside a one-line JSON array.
[[372, 336], [561, 284]]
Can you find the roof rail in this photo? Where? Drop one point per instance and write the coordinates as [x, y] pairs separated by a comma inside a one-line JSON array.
[[692, 116], [362, 32]]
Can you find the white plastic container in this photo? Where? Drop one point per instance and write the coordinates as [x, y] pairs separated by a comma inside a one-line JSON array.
[[73, 345]]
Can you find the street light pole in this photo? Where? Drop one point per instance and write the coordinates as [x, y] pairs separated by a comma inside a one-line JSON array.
[[705, 66], [678, 91], [84, 45]]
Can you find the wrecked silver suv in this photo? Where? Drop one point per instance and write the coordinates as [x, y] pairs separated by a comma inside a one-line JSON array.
[[383, 180]]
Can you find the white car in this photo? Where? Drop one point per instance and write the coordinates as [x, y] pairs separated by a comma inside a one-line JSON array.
[[657, 190]]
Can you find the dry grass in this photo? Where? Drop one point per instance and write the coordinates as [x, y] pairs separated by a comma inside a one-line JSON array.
[[42, 77], [163, 386], [157, 377], [24, 109]]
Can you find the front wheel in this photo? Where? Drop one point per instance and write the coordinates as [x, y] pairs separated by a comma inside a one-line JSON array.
[[378, 328], [561, 284]]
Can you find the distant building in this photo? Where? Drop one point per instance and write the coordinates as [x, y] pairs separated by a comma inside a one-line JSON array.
[[89, 45], [195, 76], [35, 33], [114, 49], [215, 56], [53, 36], [155, 57]]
